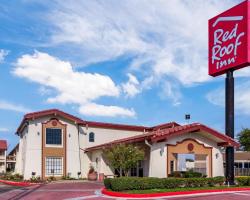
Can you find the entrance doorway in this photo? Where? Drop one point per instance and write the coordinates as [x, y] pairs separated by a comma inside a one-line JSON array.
[[189, 155]]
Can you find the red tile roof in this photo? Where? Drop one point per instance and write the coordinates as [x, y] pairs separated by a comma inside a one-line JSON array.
[[155, 133], [195, 127], [56, 112], [128, 140], [3, 145], [163, 134]]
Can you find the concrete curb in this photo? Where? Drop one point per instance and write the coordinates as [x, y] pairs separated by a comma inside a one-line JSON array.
[[169, 194], [20, 184]]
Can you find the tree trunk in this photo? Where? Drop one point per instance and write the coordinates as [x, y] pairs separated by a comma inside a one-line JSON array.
[[120, 172], [126, 173]]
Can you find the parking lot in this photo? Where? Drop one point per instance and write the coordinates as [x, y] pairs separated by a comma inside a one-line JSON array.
[[91, 190]]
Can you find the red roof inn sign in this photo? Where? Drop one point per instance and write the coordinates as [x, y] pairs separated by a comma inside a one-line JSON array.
[[229, 49], [229, 40]]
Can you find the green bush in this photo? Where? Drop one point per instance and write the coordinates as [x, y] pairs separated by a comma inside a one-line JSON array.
[[186, 174], [67, 178], [107, 183], [145, 183], [11, 177], [243, 181], [35, 179]]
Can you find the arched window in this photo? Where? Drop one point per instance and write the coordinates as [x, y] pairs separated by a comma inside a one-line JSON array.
[[91, 137]]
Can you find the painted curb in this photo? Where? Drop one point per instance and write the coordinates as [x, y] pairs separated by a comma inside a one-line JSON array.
[[166, 194], [21, 184]]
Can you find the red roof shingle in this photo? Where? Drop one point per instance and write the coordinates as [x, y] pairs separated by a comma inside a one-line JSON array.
[[3, 145], [167, 133]]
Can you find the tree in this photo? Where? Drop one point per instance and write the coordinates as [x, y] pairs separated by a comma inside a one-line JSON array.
[[244, 139], [123, 157]]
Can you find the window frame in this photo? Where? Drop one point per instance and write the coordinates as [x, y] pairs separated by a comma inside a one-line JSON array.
[[62, 166], [54, 145], [92, 139]]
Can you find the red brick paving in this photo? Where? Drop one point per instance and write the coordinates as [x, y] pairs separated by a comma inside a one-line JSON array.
[[86, 190]]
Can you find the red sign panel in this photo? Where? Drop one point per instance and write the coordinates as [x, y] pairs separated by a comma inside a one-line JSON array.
[[228, 40]]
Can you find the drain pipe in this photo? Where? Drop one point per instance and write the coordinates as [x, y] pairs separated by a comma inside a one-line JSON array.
[[150, 159], [147, 143]]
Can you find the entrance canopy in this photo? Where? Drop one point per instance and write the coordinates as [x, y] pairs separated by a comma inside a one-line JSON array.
[[163, 134]]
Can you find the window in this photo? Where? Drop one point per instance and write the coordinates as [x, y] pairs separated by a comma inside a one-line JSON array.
[[91, 137], [246, 165], [171, 166], [54, 136], [54, 166], [133, 172]]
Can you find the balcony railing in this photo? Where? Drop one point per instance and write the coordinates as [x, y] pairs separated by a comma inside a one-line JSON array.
[[11, 158]]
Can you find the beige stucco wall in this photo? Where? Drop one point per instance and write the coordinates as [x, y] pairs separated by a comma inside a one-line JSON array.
[[102, 135], [158, 164], [29, 156], [30, 144], [3, 161]]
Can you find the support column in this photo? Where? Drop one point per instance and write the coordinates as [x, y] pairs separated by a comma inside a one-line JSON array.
[[229, 98]]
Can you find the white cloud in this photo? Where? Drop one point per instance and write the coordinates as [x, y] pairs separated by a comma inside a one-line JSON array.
[[242, 96], [131, 87], [3, 54], [166, 38], [93, 109], [4, 129], [72, 87], [4, 105], [172, 92]]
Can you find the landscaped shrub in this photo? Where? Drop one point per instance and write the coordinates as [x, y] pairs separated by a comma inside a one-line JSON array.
[[107, 183], [243, 181], [186, 174], [135, 183], [11, 177], [192, 174], [35, 179], [68, 178]]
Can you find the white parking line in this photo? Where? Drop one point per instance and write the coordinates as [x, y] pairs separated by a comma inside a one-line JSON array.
[[97, 194], [86, 197], [241, 193]]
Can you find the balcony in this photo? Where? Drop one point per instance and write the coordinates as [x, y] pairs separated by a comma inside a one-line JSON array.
[[11, 159]]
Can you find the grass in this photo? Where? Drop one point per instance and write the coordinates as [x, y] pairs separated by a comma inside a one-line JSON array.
[[178, 189]]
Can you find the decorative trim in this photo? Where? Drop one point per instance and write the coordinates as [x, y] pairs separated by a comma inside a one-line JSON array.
[[210, 154], [188, 139], [54, 151]]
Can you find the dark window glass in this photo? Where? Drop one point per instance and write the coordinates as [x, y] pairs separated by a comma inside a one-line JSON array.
[[171, 166], [53, 136], [91, 137], [240, 165], [133, 172]]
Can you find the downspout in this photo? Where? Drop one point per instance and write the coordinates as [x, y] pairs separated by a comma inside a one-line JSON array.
[[147, 143], [150, 159], [80, 162]]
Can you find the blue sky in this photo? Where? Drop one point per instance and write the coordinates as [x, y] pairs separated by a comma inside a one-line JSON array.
[[130, 62]]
